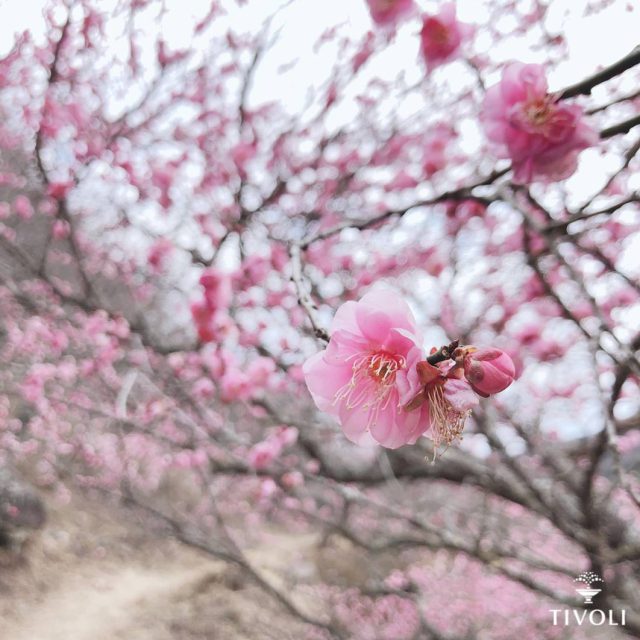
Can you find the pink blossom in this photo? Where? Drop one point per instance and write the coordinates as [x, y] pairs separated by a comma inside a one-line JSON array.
[[235, 386], [541, 136], [442, 36], [59, 190], [292, 479], [210, 315], [60, 229], [268, 488], [158, 253], [286, 436], [23, 207], [388, 12], [204, 388], [436, 148], [263, 453], [441, 398], [488, 370], [355, 379], [217, 288], [403, 180], [242, 154]]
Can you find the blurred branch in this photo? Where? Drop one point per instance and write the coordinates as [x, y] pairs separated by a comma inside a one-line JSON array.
[[585, 86], [621, 127], [462, 193], [304, 299]]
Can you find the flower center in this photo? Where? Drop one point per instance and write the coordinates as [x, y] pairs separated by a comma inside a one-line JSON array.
[[439, 33], [382, 367], [372, 380], [538, 112]]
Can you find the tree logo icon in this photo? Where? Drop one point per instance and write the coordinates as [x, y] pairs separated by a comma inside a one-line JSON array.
[[588, 578]]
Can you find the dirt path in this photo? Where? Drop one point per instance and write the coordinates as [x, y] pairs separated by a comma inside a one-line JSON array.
[[95, 575], [105, 605]]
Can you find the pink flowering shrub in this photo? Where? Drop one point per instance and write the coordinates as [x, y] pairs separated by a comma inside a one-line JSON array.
[[540, 135]]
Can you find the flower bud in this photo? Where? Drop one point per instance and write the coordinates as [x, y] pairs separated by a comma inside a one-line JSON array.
[[488, 370]]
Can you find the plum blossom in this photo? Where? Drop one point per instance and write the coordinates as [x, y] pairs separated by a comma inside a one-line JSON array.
[[263, 453], [59, 190], [60, 229], [23, 207], [159, 251], [442, 398], [373, 377], [441, 36], [355, 379], [523, 122], [436, 148], [210, 314], [388, 12]]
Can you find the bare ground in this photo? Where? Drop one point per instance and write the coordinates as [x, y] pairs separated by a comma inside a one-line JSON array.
[[96, 573]]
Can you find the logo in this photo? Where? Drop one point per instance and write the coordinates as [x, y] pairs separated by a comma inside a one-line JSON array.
[[588, 578], [595, 617]]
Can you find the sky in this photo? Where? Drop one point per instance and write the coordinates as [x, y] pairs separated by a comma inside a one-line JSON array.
[[593, 40]]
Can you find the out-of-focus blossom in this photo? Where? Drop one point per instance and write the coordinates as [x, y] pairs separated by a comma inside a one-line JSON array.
[[263, 453], [442, 35], [292, 479], [210, 315], [59, 190], [23, 207], [523, 122], [235, 386], [389, 12], [355, 379], [158, 253], [436, 148], [217, 288], [60, 229]]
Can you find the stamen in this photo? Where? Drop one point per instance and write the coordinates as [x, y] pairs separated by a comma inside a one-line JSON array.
[[447, 422], [374, 375]]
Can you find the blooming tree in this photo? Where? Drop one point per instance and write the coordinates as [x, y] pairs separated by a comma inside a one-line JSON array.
[[398, 310]]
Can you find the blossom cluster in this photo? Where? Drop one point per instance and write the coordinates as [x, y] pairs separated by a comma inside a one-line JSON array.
[[523, 121], [374, 378], [441, 36], [211, 313]]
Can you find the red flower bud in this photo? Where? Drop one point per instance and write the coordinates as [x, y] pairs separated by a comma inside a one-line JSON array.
[[488, 371]]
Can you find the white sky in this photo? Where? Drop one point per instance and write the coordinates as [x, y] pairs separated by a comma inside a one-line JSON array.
[[593, 40]]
